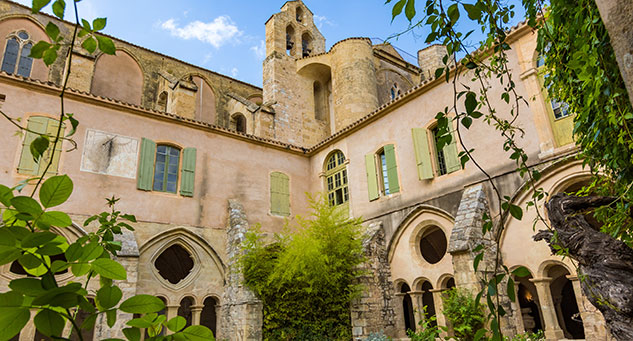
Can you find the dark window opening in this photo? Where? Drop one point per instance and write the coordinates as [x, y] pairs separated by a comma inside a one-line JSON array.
[[299, 15], [185, 310], [163, 98], [208, 317], [439, 155], [306, 45], [407, 307], [238, 123], [433, 245], [16, 58], [174, 264], [166, 169], [428, 302], [290, 33]]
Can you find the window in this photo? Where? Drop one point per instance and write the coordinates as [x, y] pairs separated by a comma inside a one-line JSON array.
[[208, 317], [320, 101], [336, 179], [395, 91], [299, 14], [16, 54], [162, 101], [160, 168], [290, 40], [382, 172], [238, 123], [174, 264], [432, 161], [279, 194], [560, 109], [40, 125], [306, 45], [433, 244]]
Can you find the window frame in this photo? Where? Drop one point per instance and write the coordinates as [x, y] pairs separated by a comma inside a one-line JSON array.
[[339, 168], [178, 171], [439, 166], [48, 154], [380, 158], [22, 43]]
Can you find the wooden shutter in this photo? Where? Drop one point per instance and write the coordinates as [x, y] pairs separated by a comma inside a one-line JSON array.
[[451, 155], [422, 153], [279, 194], [372, 178], [146, 165], [51, 131], [392, 169], [188, 172], [27, 165]]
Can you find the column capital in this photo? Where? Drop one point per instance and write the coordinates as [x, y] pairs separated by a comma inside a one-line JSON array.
[[415, 293], [573, 278], [437, 290], [401, 294], [197, 307], [540, 280]]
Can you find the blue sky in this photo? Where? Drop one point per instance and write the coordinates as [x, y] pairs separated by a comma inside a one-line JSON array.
[[227, 36]]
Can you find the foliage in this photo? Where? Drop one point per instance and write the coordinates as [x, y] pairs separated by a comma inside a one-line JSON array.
[[528, 336], [306, 278], [464, 312], [584, 74], [428, 329], [28, 237]]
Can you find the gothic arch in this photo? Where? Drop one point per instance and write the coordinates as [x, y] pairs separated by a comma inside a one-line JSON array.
[[15, 22], [120, 77]]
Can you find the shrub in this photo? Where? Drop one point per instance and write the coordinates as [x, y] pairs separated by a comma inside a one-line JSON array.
[[306, 278], [464, 313], [428, 331]]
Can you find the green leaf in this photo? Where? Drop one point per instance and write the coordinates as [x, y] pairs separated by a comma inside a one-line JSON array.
[[470, 102], [139, 323], [453, 13], [478, 259], [80, 269], [409, 10], [49, 323], [6, 194], [73, 123], [74, 252], [467, 122], [27, 286], [39, 4], [90, 44], [198, 333], [177, 324], [132, 334], [50, 56], [27, 205], [516, 211], [480, 334], [91, 251], [99, 24], [521, 271], [12, 322], [9, 255], [111, 317], [109, 269], [59, 7], [52, 30], [37, 51], [56, 218], [108, 297], [471, 65], [38, 147], [510, 288], [10, 300], [38, 239], [473, 12], [129, 217], [397, 9], [56, 190], [142, 304], [106, 45]]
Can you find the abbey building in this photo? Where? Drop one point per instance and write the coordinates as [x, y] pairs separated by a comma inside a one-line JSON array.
[[199, 157]]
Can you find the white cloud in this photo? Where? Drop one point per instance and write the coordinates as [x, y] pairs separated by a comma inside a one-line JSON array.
[[259, 50], [319, 20], [216, 33], [234, 72]]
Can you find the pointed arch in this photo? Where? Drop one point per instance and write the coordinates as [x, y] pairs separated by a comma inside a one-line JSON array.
[[119, 77]]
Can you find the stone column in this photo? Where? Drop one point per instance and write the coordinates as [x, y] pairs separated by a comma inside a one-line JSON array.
[[418, 308], [439, 308], [196, 311], [400, 325], [516, 310], [552, 329], [592, 319]]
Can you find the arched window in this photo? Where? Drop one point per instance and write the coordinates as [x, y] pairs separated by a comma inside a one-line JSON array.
[[290, 39], [166, 168], [238, 123], [299, 14], [184, 310], [407, 308], [174, 264], [336, 179], [320, 101], [16, 54], [162, 101], [306, 45], [395, 91], [208, 316], [428, 302], [433, 244]]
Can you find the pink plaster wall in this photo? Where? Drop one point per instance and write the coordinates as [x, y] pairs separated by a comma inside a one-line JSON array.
[[205, 101], [118, 77], [36, 33]]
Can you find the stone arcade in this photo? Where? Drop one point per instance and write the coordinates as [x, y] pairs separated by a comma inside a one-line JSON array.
[[198, 157]]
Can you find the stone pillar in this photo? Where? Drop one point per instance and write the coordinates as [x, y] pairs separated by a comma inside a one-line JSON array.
[[241, 310], [439, 308], [592, 319], [196, 311], [516, 310], [552, 329], [400, 325], [374, 311], [418, 307]]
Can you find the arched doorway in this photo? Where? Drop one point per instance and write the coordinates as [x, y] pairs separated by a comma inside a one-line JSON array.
[[407, 308], [565, 303], [529, 305], [208, 316], [428, 302]]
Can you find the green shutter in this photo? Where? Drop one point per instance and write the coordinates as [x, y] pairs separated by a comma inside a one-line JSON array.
[[279, 194], [188, 172], [422, 153], [51, 131], [372, 179], [392, 169], [450, 154], [27, 165], [146, 165]]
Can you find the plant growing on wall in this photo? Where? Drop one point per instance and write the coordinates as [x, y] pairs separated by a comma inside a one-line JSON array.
[[27, 237], [306, 278], [580, 72]]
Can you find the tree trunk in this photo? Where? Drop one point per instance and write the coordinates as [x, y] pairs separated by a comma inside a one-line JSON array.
[[605, 263]]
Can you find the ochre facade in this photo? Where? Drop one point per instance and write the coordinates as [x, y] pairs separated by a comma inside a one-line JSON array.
[[359, 107]]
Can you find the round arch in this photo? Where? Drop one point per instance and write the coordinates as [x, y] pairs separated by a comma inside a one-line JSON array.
[[120, 77]]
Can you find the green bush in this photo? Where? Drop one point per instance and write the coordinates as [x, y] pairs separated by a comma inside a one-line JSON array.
[[528, 336], [464, 313], [428, 329], [306, 278]]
